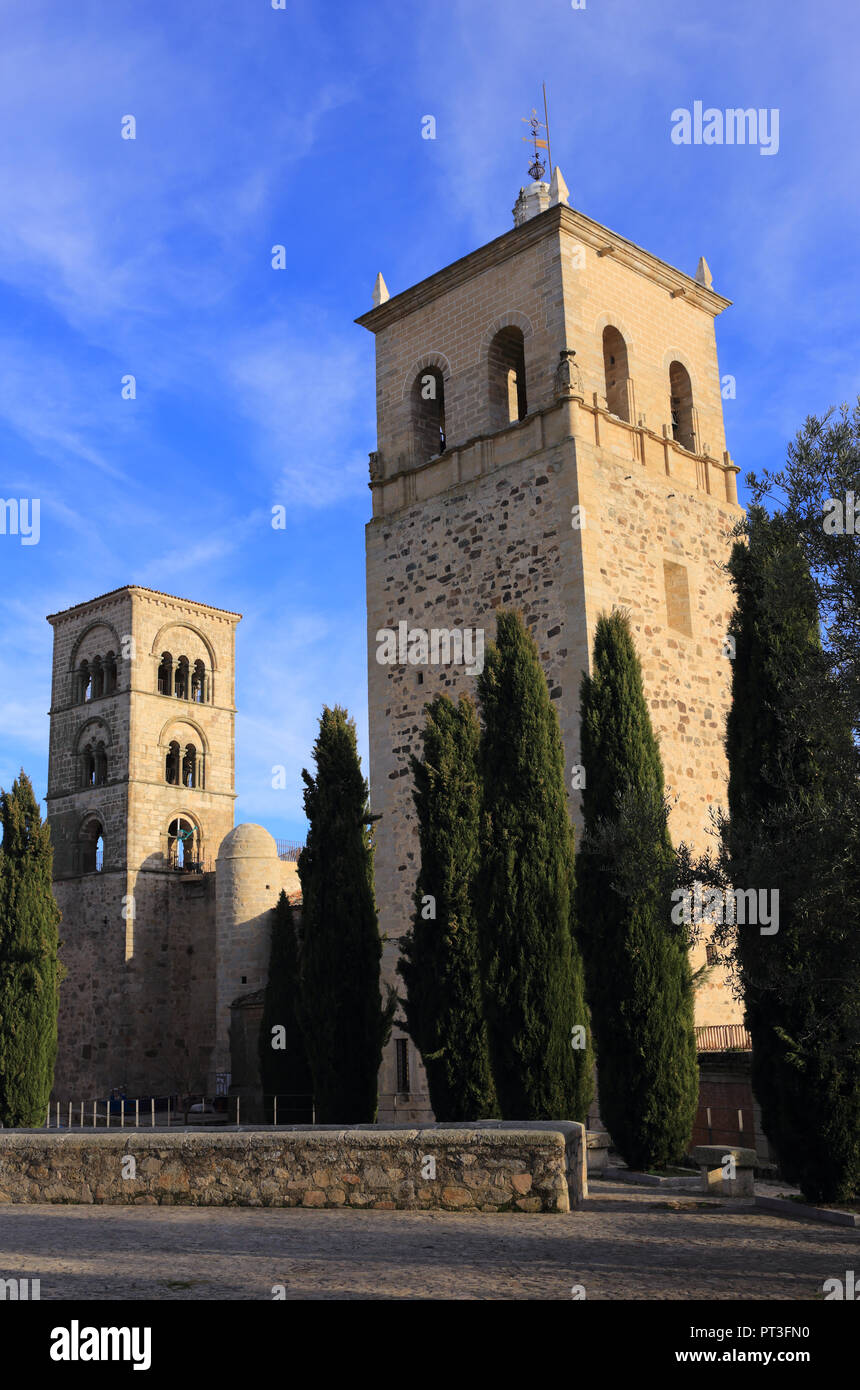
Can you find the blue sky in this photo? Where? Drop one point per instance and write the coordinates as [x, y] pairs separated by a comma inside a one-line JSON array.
[[302, 127]]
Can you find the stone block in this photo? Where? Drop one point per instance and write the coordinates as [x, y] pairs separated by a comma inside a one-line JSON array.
[[598, 1146], [456, 1197], [715, 1169]]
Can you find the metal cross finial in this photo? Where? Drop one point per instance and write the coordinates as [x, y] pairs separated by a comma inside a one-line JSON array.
[[537, 168]]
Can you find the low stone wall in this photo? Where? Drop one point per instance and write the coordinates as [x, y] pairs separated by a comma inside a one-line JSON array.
[[489, 1167], [575, 1146]]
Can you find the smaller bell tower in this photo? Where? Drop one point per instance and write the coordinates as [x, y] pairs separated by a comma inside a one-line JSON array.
[[140, 795]]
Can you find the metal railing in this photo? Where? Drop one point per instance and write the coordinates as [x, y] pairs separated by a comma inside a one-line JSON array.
[[285, 1111], [190, 866], [723, 1037], [289, 849], [195, 1108], [152, 1112], [403, 1102], [121, 1111]]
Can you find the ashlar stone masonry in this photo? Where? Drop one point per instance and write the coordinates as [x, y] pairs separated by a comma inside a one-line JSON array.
[[550, 437], [166, 906]]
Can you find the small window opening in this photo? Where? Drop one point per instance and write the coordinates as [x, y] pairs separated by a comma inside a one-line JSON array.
[[616, 373], [681, 399], [183, 844], [91, 847], [189, 766], [181, 686], [171, 764], [110, 673], [428, 415], [401, 1047], [506, 366], [198, 683], [165, 674]]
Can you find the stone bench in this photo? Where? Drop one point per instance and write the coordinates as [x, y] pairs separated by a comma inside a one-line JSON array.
[[599, 1143], [713, 1161]]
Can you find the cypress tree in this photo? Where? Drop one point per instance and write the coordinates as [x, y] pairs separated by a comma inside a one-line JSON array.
[[816, 495], [344, 1022], [284, 1070], [794, 829], [439, 962], [30, 972], [533, 986], [637, 968]]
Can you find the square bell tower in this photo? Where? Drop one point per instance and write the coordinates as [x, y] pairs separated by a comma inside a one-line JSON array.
[[550, 437], [140, 795]]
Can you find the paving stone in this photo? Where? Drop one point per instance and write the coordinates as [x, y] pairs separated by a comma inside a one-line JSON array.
[[621, 1244]]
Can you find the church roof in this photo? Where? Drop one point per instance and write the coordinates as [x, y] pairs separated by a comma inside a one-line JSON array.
[[248, 841], [142, 589], [512, 242]]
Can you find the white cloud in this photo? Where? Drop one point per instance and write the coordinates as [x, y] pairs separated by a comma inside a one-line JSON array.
[[90, 221]]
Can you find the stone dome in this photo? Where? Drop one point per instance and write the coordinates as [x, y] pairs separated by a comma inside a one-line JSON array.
[[248, 842]]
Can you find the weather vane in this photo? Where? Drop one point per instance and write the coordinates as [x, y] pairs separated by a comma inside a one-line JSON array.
[[537, 168]]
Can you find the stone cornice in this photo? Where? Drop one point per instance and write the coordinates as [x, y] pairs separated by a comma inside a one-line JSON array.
[[376, 483], [642, 261], [518, 239], [541, 414], [139, 690], [156, 596], [140, 782]]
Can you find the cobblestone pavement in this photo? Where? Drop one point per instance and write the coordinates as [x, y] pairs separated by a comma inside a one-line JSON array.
[[625, 1243]]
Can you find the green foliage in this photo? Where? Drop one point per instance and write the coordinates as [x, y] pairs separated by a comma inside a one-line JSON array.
[[284, 1071], [812, 493], [344, 1022], [637, 966], [779, 670], [533, 985], [794, 828], [440, 960], [30, 972]]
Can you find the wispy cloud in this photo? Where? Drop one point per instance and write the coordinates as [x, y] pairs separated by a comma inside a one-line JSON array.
[[294, 662], [307, 399], [257, 127]]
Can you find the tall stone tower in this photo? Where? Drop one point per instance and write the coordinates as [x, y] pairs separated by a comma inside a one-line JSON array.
[[550, 436], [140, 797]]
